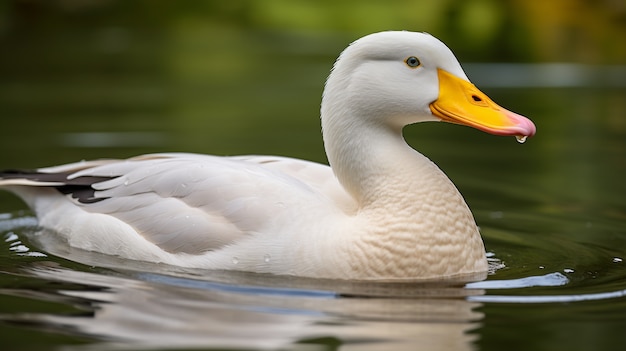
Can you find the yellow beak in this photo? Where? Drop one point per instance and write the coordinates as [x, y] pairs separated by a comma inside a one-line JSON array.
[[461, 102]]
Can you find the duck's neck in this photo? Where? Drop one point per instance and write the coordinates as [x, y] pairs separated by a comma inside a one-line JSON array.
[[376, 166], [365, 148]]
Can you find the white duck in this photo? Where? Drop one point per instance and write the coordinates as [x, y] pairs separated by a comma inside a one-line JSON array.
[[382, 212]]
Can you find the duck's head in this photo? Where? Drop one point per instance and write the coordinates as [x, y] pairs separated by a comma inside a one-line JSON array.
[[399, 78]]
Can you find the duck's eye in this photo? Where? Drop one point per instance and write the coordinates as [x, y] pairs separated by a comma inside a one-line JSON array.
[[412, 62]]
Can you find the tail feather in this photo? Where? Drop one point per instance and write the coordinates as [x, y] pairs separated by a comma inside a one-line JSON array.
[[79, 188]]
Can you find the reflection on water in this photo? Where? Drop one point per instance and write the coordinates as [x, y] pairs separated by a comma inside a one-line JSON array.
[[152, 311]]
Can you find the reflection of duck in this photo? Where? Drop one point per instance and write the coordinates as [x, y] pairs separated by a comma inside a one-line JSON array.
[[383, 211], [165, 312]]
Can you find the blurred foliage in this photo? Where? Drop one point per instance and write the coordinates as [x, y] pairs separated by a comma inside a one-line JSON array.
[[492, 30]]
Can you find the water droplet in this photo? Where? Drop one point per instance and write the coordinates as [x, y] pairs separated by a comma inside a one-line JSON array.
[[126, 182], [617, 259], [267, 258], [568, 270], [541, 267], [235, 260], [521, 138], [183, 185]]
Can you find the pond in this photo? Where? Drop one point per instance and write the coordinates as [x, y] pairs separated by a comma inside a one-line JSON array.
[[551, 211]]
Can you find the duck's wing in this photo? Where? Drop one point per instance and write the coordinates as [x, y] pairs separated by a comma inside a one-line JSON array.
[[185, 202], [318, 176]]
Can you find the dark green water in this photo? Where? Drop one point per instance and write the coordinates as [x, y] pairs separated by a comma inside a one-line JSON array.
[[552, 208]]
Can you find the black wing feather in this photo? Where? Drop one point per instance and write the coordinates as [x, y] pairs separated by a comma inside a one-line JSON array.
[[79, 188]]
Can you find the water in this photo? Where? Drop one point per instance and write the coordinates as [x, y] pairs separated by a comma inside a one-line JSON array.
[[551, 212]]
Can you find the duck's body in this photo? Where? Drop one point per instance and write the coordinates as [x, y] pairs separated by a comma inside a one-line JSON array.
[[383, 212]]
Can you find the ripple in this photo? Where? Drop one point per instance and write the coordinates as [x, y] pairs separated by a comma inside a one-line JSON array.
[[551, 279], [548, 298]]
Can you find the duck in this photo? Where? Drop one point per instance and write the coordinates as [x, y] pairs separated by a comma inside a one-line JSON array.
[[379, 211]]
